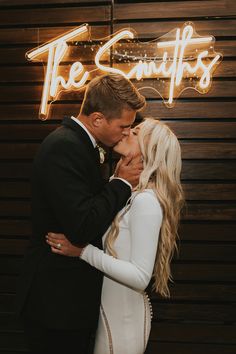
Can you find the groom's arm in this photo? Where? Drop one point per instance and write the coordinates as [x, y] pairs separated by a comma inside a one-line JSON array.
[[83, 216]]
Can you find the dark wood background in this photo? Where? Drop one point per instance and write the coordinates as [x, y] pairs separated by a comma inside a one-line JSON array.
[[201, 314]]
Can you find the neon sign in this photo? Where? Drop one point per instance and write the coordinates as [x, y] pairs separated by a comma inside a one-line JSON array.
[[177, 61]]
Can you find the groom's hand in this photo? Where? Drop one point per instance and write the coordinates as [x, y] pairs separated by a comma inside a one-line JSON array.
[[129, 170]]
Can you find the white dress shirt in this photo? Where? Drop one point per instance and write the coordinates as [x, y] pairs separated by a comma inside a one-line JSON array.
[[84, 127]]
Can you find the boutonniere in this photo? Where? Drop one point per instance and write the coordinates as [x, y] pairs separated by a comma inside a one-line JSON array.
[[102, 153]]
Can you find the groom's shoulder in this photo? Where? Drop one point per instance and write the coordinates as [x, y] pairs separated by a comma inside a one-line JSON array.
[[61, 141], [62, 135]]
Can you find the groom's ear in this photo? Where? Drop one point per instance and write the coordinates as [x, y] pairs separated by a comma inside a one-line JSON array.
[[97, 119]]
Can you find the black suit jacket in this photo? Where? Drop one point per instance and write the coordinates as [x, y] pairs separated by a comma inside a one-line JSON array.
[[69, 196]]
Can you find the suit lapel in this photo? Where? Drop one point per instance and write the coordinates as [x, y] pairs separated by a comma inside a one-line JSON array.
[[82, 136]]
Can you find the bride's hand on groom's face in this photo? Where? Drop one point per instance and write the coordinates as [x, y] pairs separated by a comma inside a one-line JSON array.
[[129, 168], [61, 245]]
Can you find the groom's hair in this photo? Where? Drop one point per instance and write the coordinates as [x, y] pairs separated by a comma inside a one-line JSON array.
[[110, 94]]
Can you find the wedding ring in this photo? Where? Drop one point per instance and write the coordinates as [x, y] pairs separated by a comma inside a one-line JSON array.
[[59, 246]]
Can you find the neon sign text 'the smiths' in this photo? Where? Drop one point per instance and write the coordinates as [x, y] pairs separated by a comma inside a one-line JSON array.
[[177, 61]]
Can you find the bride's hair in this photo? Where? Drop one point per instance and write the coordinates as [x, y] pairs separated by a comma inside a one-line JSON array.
[[161, 155]]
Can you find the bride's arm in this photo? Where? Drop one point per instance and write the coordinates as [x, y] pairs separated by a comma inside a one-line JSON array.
[[145, 222]]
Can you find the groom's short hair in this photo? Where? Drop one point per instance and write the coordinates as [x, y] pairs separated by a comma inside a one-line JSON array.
[[110, 94]]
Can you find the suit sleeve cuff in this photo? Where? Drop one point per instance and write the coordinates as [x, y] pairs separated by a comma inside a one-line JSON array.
[[121, 179]]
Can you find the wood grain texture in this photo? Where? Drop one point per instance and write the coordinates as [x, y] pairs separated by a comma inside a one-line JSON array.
[[200, 314], [29, 93], [183, 130], [76, 15], [174, 9], [196, 191], [216, 27]]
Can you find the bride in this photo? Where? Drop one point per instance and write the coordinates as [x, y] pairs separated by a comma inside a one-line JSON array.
[[140, 242]]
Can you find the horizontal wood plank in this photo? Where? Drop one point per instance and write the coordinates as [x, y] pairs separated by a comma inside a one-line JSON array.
[[188, 231], [217, 212], [174, 9], [190, 150], [15, 189], [207, 231], [9, 322], [160, 332], [9, 3], [18, 247], [29, 93], [181, 271], [190, 110], [183, 130], [15, 208], [199, 211], [204, 272], [145, 30], [202, 191], [18, 151], [191, 170], [61, 15], [30, 111], [222, 89], [194, 312], [179, 292], [11, 265], [199, 191], [206, 252], [13, 341], [194, 231], [165, 311], [209, 130], [36, 131], [217, 27], [187, 252], [15, 170], [187, 348], [15, 55], [39, 35], [200, 292], [156, 109], [32, 74], [208, 150], [196, 170], [193, 332]]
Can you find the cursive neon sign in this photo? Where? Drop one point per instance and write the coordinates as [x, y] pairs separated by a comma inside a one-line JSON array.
[[178, 61]]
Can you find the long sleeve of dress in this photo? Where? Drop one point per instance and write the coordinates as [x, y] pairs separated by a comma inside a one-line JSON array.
[[144, 225]]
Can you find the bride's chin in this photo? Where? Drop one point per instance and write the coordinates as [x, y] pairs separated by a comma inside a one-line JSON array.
[[116, 149], [119, 152]]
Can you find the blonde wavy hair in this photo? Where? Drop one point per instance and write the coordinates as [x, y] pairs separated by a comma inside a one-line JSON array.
[[161, 155]]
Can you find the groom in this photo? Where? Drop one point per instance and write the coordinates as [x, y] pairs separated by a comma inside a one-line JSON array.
[[59, 297]]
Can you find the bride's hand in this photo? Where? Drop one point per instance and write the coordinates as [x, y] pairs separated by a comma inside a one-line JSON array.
[[61, 245]]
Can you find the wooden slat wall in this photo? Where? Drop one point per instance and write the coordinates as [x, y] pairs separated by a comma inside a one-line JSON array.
[[201, 314]]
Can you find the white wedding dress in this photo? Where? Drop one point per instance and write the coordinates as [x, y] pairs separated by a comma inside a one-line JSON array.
[[125, 313]]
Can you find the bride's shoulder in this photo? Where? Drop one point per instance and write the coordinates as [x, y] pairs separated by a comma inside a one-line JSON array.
[[146, 200]]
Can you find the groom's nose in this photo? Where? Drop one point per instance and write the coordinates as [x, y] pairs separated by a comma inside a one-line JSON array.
[[126, 131]]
